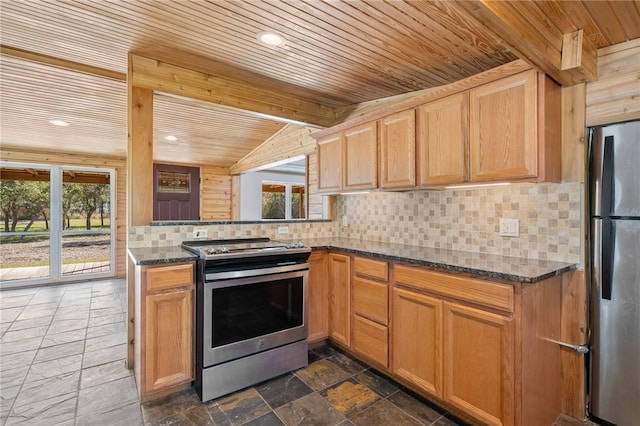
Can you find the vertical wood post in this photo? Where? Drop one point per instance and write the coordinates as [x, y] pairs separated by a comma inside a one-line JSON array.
[[140, 155], [139, 181]]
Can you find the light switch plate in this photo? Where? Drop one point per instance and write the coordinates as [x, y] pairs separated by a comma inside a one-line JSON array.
[[283, 230], [344, 221], [509, 227], [200, 233]]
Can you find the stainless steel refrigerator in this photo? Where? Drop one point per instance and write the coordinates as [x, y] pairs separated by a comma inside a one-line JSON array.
[[614, 379]]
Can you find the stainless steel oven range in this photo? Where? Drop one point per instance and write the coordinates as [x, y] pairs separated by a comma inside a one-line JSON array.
[[251, 314]]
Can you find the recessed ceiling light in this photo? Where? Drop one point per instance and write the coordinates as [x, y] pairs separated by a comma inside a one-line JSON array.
[[171, 138], [271, 39], [59, 123]]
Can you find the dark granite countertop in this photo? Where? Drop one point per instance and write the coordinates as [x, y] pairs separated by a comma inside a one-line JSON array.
[[160, 255], [488, 265]]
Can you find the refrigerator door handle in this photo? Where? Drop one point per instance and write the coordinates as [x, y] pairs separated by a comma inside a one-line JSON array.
[[608, 188], [596, 140], [606, 256]]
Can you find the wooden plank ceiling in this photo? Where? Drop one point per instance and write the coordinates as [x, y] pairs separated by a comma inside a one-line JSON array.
[[339, 53]]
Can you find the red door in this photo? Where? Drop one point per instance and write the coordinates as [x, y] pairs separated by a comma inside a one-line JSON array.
[[176, 192]]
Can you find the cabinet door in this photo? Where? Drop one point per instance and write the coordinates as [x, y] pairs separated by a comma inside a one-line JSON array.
[[370, 340], [478, 363], [361, 157], [504, 133], [416, 334], [442, 140], [318, 297], [339, 298], [168, 339], [330, 163], [398, 150]]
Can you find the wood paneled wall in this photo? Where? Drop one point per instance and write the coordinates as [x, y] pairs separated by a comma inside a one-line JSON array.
[[288, 142], [291, 141], [215, 199], [614, 96], [316, 202], [117, 163], [574, 146], [574, 330]]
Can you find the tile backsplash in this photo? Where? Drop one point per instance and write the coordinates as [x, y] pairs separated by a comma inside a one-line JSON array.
[[170, 235], [468, 219], [463, 219]]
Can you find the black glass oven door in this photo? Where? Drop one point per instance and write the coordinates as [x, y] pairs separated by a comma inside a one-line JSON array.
[[249, 315]]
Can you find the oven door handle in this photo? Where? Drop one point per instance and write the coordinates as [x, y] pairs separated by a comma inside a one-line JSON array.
[[216, 279]]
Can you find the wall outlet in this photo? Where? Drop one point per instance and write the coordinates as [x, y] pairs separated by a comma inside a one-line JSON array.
[[283, 230], [509, 227], [200, 233], [344, 221]]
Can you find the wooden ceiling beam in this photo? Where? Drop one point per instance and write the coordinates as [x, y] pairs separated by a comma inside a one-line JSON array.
[[61, 63], [568, 58], [149, 73]]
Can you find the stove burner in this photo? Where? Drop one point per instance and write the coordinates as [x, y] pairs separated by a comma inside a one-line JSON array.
[[217, 250]]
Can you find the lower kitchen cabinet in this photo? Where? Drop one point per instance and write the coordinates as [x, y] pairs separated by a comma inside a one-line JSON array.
[[483, 348], [416, 339], [478, 363], [164, 328], [318, 296], [340, 298]]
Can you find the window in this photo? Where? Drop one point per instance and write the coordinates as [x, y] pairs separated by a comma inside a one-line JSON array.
[[298, 202], [283, 200], [57, 223]]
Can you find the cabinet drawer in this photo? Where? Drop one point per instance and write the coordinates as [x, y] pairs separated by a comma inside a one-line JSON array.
[[369, 268], [370, 300], [458, 287], [160, 278], [370, 339]]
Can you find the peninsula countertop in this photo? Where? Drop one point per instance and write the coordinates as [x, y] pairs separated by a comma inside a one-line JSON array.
[[160, 255]]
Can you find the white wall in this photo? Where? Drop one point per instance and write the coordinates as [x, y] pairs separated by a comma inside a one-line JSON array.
[[251, 191]]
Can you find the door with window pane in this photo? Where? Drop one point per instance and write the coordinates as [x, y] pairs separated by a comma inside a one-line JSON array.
[[57, 223], [86, 222], [25, 239]]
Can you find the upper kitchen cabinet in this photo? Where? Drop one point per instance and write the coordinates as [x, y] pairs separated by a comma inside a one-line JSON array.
[[397, 150], [506, 130], [347, 160], [515, 129], [442, 141], [361, 157], [330, 163]]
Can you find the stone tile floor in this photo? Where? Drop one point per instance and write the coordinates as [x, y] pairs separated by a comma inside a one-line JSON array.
[[62, 352]]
